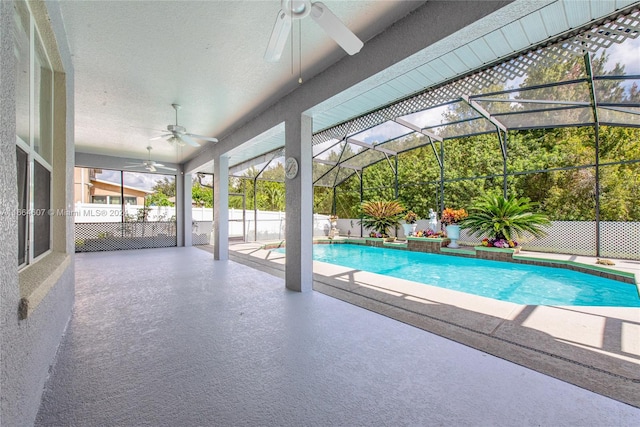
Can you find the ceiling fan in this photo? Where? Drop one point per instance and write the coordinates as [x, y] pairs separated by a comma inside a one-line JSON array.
[[178, 135], [150, 165], [298, 9]]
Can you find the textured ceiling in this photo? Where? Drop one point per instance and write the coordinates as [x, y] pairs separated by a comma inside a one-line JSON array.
[[133, 59]]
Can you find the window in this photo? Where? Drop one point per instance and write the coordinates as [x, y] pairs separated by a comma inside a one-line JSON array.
[[34, 137], [99, 199], [41, 206], [23, 198]]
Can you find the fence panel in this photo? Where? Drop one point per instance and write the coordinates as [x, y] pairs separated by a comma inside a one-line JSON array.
[[617, 239], [112, 236], [201, 232]]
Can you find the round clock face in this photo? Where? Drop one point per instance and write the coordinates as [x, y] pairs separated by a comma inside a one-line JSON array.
[[291, 168]]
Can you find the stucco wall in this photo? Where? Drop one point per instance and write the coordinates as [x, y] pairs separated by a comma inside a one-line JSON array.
[[27, 347]]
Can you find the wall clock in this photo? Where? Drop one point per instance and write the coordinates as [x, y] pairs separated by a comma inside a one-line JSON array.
[[291, 168]]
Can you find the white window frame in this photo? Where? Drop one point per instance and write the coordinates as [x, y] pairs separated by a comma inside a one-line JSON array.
[[29, 146]]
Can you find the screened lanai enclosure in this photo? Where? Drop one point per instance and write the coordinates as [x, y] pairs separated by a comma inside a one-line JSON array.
[[559, 125]]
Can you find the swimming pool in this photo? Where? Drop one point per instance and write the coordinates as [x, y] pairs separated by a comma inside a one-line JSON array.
[[518, 283]]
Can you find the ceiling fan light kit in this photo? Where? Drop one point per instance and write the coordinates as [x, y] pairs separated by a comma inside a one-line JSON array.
[[327, 20]]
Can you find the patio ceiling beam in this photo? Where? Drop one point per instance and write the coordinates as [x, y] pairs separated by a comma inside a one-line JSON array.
[[326, 162], [534, 101], [473, 104], [254, 161], [336, 165], [332, 163], [621, 110], [432, 136], [370, 146], [395, 170]]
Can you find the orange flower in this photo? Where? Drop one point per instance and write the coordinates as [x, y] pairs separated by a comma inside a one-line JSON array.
[[453, 216]]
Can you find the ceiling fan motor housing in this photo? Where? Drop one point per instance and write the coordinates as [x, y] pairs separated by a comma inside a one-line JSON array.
[[297, 9], [176, 128]]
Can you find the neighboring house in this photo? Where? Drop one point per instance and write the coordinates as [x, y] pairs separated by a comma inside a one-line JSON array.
[[89, 189]]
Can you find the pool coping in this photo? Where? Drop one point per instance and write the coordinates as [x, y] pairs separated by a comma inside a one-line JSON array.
[[596, 348]]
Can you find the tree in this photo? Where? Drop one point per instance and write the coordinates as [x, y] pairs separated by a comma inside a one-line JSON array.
[[166, 186], [201, 195]]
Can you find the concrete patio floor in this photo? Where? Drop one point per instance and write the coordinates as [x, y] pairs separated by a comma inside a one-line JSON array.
[[170, 337], [597, 348]]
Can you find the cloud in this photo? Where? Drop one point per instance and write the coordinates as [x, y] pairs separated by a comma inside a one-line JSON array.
[[381, 133], [145, 181], [626, 53]]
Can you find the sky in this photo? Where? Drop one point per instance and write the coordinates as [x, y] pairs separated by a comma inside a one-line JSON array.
[[145, 181]]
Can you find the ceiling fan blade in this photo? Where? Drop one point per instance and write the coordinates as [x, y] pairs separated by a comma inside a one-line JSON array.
[[279, 35], [187, 139], [159, 137], [164, 167], [206, 138], [150, 168], [335, 28]]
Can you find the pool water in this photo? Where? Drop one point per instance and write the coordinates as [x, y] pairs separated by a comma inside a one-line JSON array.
[[518, 283]]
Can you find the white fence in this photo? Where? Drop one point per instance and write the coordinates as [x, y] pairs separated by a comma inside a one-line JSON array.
[[97, 212], [269, 225], [617, 239]]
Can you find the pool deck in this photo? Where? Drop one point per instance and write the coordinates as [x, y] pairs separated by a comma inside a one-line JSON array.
[[596, 348]]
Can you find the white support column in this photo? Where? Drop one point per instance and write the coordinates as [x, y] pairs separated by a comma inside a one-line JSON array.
[[299, 206], [180, 220], [221, 208], [186, 209]]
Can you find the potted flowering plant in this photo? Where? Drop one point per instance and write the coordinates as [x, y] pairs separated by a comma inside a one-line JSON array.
[[410, 217], [410, 225], [450, 218], [453, 216]]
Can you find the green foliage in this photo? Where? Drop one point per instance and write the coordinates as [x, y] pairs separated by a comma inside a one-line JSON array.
[[201, 195], [163, 190], [499, 218], [270, 189], [381, 215], [158, 199], [553, 167], [166, 186], [474, 165]]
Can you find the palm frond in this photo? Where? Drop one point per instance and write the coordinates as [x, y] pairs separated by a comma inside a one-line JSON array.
[[501, 218], [381, 215]]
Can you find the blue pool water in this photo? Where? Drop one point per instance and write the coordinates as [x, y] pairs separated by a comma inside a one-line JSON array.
[[518, 283]]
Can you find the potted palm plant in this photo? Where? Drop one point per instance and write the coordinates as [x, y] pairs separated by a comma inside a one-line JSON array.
[[503, 220], [381, 215]]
